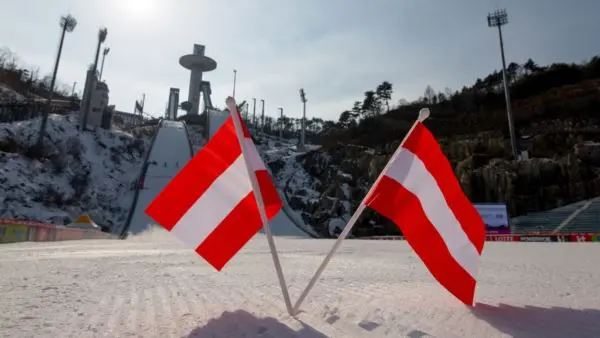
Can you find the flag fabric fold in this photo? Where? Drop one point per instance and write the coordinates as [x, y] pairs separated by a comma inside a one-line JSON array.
[[210, 204], [419, 192]]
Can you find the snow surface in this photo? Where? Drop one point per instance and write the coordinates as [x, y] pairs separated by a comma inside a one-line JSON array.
[[153, 286], [169, 154], [86, 172]]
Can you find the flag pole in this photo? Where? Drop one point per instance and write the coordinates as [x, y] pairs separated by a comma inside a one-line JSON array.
[[261, 205], [423, 115]]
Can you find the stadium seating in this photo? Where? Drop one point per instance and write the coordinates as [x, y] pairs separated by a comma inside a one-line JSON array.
[[545, 221]]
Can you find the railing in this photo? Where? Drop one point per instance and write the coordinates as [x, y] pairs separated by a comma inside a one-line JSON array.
[[14, 231]]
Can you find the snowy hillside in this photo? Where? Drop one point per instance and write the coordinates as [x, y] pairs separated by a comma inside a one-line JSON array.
[[9, 95], [325, 214], [89, 172]]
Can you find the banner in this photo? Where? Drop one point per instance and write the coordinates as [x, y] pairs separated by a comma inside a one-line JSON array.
[[502, 238], [10, 233], [495, 217]]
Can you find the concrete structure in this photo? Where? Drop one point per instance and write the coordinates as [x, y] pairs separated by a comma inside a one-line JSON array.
[[107, 117], [128, 119], [173, 105], [99, 102], [197, 63]]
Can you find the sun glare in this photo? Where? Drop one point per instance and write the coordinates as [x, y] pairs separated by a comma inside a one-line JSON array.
[[138, 9]]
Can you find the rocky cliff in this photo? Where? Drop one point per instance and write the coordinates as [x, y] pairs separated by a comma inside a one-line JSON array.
[[558, 128]]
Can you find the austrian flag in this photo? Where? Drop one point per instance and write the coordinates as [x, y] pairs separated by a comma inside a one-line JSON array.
[[210, 204], [419, 192]]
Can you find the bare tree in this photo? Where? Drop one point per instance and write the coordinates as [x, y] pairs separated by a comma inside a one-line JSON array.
[[430, 96]]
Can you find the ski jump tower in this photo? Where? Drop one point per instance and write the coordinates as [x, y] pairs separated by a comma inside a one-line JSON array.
[[197, 63]]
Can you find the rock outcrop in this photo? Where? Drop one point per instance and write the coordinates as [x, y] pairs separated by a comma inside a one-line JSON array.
[[564, 167]]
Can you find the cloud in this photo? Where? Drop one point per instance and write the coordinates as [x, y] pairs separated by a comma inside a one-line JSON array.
[[335, 50]]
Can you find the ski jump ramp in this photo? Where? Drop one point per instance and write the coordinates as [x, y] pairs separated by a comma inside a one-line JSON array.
[[170, 152]]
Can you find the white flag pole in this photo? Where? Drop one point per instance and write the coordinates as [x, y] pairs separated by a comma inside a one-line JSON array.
[[423, 115], [261, 205]]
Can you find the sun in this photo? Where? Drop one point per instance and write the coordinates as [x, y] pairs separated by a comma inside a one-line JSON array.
[[139, 9]]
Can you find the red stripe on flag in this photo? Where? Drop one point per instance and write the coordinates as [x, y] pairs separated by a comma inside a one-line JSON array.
[[195, 177], [269, 193], [392, 200], [245, 130], [232, 233], [240, 225], [424, 145]]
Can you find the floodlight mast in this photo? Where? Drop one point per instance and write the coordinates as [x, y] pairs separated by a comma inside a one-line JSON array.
[[67, 25], [303, 121], [498, 19]]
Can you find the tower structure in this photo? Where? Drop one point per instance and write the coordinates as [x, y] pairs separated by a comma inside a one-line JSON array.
[[198, 64]]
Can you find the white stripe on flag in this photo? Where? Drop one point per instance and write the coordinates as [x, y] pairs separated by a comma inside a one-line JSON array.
[[254, 159], [217, 202], [408, 170]]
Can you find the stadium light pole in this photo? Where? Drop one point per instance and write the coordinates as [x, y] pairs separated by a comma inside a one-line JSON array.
[[106, 50], [262, 116], [88, 102], [280, 122], [254, 112], [67, 24], [303, 121], [234, 80], [498, 19], [73, 89]]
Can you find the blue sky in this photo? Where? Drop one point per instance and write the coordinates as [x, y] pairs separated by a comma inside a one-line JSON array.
[[334, 49]]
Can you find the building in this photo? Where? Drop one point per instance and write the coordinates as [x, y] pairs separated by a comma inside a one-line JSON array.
[[197, 63], [126, 119], [99, 101], [173, 105]]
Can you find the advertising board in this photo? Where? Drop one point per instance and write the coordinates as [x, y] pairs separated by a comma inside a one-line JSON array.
[[11, 233], [495, 217]]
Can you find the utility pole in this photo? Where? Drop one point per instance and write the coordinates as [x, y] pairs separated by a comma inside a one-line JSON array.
[[280, 122], [67, 23], [303, 121], [498, 19], [92, 83], [234, 80], [106, 50], [262, 117], [254, 112]]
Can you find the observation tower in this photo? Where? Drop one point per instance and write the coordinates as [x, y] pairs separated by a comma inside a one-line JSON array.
[[197, 63]]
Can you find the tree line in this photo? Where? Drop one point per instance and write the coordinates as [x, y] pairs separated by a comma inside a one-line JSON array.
[[27, 79], [481, 104]]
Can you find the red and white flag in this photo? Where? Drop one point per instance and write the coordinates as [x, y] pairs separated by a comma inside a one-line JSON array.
[[419, 192], [210, 204]]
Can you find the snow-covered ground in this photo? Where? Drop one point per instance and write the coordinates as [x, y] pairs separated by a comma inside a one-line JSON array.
[[154, 286], [89, 172]]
